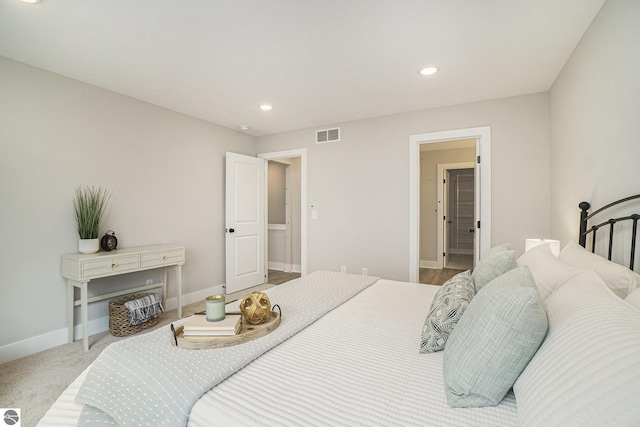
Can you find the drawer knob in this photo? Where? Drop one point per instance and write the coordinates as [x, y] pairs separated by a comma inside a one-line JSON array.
[[113, 265], [164, 257]]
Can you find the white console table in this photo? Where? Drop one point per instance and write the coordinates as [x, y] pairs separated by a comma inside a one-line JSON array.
[[80, 269]]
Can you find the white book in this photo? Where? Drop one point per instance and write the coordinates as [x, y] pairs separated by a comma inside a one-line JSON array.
[[210, 333], [199, 325]]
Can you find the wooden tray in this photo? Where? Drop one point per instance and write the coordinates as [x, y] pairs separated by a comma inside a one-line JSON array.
[[247, 332]]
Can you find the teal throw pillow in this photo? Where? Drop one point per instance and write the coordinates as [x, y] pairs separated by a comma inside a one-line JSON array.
[[494, 263], [494, 341], [496, 249]]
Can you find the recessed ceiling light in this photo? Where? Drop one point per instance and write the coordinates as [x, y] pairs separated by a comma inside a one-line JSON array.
[[31, 1], [243, 127], [266, 107], [427, 71]]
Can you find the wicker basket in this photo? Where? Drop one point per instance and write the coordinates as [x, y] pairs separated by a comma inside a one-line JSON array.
[[120, 317]]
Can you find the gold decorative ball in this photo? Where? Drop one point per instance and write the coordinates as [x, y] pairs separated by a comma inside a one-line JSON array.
[[255, 307]]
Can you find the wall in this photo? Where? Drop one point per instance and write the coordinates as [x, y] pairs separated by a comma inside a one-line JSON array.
[[277, 192], [165, 171], [295, 194], [360, 185], [429, 161], [594, 111], [277, 213]]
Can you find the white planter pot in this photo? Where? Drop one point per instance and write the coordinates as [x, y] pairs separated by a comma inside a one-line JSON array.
[[88, 246]]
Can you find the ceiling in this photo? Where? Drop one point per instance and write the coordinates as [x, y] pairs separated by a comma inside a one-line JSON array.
[[318, 63]]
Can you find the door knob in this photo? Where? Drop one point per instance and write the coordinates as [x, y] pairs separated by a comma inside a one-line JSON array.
[[231, 230]]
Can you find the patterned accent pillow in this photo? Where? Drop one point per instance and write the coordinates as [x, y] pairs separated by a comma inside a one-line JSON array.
[[447, 308]]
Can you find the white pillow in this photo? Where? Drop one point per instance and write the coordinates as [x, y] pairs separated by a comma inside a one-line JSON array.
[[619, 278], [548, 272], [587, 370], [634, 298]]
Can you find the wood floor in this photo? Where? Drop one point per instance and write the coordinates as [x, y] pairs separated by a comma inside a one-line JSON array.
[[436, 276], [276, 277], [456, 264], [460, 262], [432, 276]]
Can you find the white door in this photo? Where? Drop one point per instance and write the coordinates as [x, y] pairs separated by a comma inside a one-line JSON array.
[[245, 222], [478, 208], [288, 267], [446, 217]]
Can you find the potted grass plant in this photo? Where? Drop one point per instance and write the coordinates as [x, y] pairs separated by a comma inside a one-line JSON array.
[[88, 208]]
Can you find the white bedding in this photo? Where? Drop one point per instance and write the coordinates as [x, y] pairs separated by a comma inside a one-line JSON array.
[[358, 365]]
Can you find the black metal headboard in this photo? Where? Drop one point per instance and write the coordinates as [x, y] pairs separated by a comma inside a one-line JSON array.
[[585, 216]]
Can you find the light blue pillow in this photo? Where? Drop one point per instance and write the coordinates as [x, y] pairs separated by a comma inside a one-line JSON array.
[[497, 249], [447, 308], [494, 263], [494, 341]]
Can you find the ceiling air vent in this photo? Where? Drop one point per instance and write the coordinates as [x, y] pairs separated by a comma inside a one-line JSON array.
[[327, 135]]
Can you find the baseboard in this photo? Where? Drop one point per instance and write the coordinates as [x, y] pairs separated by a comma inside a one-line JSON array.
[[58, 337], [429, 264], [281, 266]]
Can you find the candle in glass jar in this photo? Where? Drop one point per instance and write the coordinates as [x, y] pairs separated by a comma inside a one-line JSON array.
[[215, 308]]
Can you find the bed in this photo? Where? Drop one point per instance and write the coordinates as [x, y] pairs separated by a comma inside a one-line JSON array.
[[351, 351]]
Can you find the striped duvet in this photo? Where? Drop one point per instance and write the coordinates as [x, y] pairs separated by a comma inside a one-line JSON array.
[[357, 365]]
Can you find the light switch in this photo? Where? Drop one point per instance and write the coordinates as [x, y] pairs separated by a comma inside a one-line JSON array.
[[314, 214]]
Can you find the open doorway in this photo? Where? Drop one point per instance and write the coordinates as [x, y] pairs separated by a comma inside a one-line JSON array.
[[246, 222], [458, 219], [482, 193], [447, 209], [283, 214], [286, 247]]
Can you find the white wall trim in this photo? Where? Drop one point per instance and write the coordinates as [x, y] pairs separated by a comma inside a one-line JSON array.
[[58, 337], [275, 265], [281, 266], [302, 154], [483, 148], [424, 263], [277, 227]]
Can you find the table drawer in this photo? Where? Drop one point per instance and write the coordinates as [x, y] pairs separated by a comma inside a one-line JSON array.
[[158, 259], [109, 266]]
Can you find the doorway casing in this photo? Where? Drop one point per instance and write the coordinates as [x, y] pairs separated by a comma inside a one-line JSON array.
[[302, 154], [482, 135]]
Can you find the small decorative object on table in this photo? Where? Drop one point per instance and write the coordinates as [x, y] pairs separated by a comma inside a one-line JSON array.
[[109, 241], [215, 308], [197, 340], [255, 307], [88, 208]]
